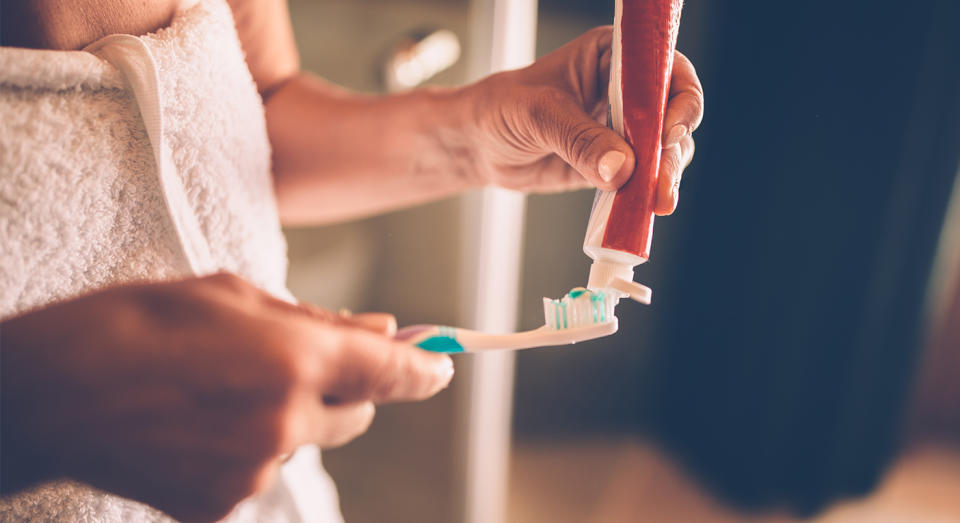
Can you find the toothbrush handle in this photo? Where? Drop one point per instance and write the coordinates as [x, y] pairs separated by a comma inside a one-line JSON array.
[[435, 338], [451, 340]]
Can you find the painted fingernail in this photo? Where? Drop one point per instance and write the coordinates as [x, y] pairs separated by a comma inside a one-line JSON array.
[[610, 164], [676, 133]]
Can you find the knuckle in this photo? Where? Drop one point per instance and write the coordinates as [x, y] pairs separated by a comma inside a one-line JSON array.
[[285, 379], [691, 108], [291, 357], [682, 62], [697, 106], [234, 286], [693, 89], [600, 32], [225, 279], [318, 313], [670, 161], [277, 434], [276, 364], [293, 365]]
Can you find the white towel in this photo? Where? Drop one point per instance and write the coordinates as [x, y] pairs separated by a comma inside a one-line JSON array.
[[82, 206]]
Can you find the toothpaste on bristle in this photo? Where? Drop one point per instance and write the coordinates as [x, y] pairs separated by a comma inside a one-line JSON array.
[[620, 229], [579, 308]]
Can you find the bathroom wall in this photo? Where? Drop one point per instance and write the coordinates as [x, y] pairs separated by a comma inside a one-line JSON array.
[[788, 287], [407, 263]]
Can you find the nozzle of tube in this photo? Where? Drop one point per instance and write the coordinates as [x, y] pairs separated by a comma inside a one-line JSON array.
[[605, 274]]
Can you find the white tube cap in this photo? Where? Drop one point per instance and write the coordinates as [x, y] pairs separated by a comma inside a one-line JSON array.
[[618, 276]]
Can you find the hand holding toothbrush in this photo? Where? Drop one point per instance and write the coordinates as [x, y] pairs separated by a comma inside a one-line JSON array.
[[189, 395]]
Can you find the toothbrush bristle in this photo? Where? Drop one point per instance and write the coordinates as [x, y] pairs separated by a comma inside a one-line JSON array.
[[579, 308]]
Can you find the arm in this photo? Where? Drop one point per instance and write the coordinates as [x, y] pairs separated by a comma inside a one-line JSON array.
[[357, 154], [341, 155]]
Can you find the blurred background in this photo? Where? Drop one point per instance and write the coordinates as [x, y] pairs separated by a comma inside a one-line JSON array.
[[798, 359]]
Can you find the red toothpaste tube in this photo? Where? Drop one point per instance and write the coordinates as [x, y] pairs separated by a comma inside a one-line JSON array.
[[620, 228]]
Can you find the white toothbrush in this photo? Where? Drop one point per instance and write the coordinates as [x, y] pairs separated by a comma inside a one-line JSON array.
[[580, 315]]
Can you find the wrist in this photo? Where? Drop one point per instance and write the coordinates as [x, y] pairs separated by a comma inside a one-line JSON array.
[[488, 127], [450, 124]]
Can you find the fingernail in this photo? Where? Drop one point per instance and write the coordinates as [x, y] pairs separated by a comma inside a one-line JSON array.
[[610, 164], [676, 133], [444, 369]]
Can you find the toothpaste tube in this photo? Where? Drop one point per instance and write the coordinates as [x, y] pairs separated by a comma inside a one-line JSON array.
[[620, 228]]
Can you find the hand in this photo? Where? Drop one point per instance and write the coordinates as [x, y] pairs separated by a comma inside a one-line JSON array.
[[188, 395], [539, 128]]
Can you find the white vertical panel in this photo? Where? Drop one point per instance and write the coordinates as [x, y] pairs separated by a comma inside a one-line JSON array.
[[503, 37]]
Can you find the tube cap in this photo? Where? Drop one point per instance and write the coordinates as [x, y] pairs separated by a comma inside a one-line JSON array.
[[637, 292], [618, 276]]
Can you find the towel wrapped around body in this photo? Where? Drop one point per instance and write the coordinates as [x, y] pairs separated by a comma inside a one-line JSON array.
[[85, 203]]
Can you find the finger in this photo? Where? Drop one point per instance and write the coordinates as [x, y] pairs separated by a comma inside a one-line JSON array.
[[599, 112], [378, 322], [603, 80], [685, 107], [337, 425], [577, 61], [592, 56], [373, 367], [599, 154], [605, 50], [687, 147], [550, 174], [315, 312], [672, 162]]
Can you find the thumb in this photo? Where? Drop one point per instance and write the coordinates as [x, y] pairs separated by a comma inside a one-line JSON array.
[[598, 153], [372, 367]]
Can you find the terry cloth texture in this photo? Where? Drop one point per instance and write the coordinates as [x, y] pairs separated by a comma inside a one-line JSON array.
[[82, 207]]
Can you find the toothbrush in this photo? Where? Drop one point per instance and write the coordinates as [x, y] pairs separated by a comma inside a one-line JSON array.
[[580, 315]]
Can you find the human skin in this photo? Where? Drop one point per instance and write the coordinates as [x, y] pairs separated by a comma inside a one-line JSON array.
[[533, 129], [188, 395], [208, 382]]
